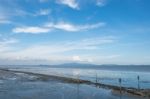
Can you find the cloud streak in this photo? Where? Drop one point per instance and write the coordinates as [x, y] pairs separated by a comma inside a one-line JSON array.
[[43, 12], [57, 26], [45, 51], [100, 3], [3, 18], [70, 3], [6, 44], [74, 28], [3, 21], [33, 30]]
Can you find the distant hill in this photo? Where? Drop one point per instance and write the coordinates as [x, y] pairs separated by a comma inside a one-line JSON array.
[[103, 67], [76, 64]]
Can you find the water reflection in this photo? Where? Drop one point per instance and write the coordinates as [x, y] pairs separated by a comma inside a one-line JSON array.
[[78, 86]]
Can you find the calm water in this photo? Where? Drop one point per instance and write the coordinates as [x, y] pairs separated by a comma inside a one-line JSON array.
[[20, 86], [16, 89], [129, 78]]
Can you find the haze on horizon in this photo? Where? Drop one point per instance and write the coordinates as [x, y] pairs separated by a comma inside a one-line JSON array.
[[86, 31]]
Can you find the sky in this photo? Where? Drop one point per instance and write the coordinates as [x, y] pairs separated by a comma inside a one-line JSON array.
[[63, 31]]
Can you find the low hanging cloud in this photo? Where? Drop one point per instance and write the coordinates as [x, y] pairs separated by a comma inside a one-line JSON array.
[[46, 51], [5, 44], [57, 26], [76, 58], [70, 3], [8, 41]]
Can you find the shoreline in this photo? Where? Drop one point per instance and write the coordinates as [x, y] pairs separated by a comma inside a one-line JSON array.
[[44, 77]]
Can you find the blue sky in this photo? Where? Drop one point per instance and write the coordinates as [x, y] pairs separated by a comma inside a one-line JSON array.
[[88, 31]]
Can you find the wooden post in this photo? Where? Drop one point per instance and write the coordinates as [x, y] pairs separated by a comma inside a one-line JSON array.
[[120, 81], [138, 78], [78, 77], [96, 78], [78, 90]]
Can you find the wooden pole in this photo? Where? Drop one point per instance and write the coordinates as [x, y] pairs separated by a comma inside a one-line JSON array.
[[120, 81], [138, 78], [96, 78], [78, 77]]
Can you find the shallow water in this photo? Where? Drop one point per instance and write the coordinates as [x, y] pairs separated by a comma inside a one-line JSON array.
[[129, 78], [13, 89], [25, 86]]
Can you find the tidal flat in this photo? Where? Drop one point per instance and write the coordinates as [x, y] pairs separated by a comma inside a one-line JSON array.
[[22, 85]]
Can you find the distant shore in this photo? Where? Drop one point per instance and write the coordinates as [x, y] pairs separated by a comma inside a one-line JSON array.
[[43, 77]]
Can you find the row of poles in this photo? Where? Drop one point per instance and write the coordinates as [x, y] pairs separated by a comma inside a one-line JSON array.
[[138, 79], [120, 84], [120, 81]]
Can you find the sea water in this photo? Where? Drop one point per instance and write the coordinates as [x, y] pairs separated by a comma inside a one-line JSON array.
[[106, 76]]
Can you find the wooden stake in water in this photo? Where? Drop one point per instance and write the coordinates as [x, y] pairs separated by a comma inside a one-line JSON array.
[[78, 83], [96, 78], [120, 81], [138, 78], [78, 78]]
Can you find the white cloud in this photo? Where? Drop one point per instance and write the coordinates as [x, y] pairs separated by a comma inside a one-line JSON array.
[[12, 9], [71, 3], [100, 3], [65, 26], [76, 58], [52, 50], [3, 21], [73, 28], [5, 44], [8, 41], [56, 26], [33, 30], [85, 44], [43, 12]]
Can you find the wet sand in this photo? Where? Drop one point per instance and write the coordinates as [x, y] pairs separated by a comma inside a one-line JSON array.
[[26, 85]]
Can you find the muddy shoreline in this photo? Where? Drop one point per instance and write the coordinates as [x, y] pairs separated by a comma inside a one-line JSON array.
[[43, 77]]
